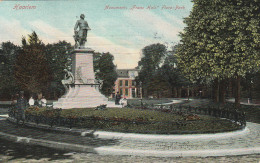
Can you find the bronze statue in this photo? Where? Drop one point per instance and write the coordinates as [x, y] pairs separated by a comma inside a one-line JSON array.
[[80, 36]]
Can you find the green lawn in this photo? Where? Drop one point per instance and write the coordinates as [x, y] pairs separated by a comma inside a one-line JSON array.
[[137, 102]]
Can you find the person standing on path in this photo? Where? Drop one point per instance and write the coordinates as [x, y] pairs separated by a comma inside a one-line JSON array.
[[118, 97], [21, 106]]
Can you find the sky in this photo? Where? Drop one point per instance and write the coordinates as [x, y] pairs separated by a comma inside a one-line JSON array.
[[123, 32]]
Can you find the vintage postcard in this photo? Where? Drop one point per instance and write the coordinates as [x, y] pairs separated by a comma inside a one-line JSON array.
[[129, 81]]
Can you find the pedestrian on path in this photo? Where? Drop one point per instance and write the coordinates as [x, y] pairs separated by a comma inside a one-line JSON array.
[[118, 97], [21, 106]]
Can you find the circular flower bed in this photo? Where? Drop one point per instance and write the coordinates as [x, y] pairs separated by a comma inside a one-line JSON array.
[[161, 121]]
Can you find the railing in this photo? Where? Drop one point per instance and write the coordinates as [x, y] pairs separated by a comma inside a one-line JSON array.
[[225, 112], [53, 117]]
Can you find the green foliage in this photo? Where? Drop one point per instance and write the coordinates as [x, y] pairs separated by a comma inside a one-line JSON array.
[[251, 85], [139, 121], [39, 68], [47, 112], [171, 73], [157, 85], [8, 84], [220, 42], [58, 57], [122, 112], [158, 71], [31, 68], [106, 71], [221, 39], [149, 65]]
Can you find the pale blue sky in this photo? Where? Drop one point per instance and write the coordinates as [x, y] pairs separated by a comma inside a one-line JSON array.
[[122, 32]]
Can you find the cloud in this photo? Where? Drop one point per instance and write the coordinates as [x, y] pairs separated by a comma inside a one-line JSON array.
[[50, 34], [11, 30], [152, 23], [124, 57], [173, 18]]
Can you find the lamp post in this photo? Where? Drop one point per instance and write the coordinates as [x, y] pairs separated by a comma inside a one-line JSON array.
[[141, 93], [189, 92], [200, 94]]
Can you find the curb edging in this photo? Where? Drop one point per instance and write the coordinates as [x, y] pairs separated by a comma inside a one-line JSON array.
[[48, 143]]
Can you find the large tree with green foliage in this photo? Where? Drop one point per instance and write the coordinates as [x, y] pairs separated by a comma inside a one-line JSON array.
[[31, 68], [58, 58], [152, 58], [8, 84], [171, 73], [105, 70], [158, 71], [221, 41]]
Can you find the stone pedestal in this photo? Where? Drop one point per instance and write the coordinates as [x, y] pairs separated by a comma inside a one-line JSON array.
[[84, 93]]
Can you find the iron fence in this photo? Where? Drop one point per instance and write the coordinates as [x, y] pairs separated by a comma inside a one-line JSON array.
[[52, 117]]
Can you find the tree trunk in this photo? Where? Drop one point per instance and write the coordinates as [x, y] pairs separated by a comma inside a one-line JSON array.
[[230, 92], [179, 92], [216, 90], [144, 92], [175, 92], [188, 93], [238, 92], [222, 92], [192, 92], [172, 92]]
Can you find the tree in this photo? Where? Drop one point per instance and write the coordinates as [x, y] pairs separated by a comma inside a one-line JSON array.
[[158, 85], [172, 75], [58, 58], [8, 84], [150, 63], [31, 67], [221, 41], [256, 85], [105, 71]]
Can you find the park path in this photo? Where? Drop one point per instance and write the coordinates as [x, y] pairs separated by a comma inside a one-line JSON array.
[[242, 142], [246, 141]]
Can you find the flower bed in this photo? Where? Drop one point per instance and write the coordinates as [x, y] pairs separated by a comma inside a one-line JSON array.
[[130, 120]]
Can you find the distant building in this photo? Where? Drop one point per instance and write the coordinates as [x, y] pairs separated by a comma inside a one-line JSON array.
[[125, 83]]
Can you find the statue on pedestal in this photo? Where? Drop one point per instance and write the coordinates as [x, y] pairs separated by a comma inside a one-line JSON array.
[[80, 36], [81, 89], [68, 79]]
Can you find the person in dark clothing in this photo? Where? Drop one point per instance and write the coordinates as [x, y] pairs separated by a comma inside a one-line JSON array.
[[21, 106], [118, 97]]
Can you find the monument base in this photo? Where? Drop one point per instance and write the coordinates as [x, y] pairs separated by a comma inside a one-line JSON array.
[[83, 96], [83, 93]]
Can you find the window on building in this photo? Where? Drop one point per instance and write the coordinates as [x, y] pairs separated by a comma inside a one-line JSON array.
[[133, 93], [126, 83], [133, 83], [126, 91], [121, 91], [120, 82]]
